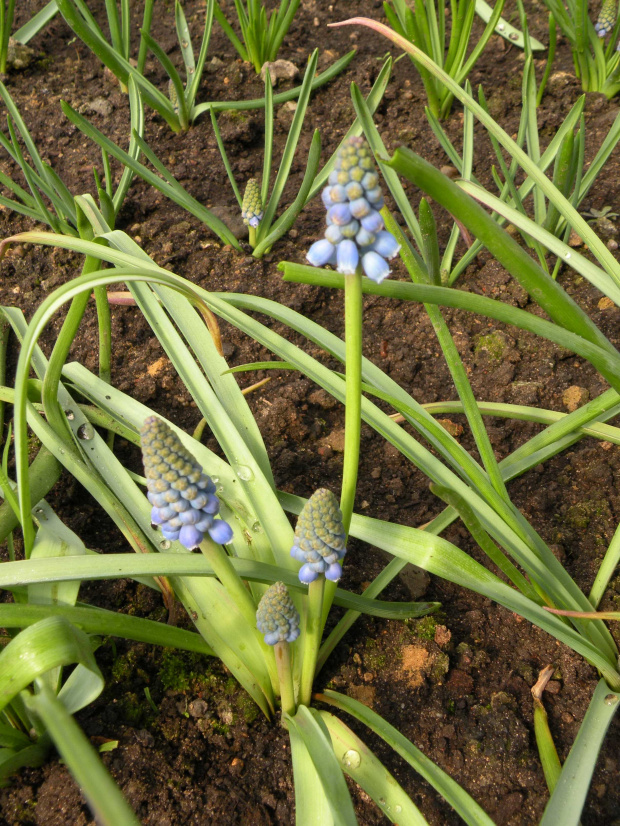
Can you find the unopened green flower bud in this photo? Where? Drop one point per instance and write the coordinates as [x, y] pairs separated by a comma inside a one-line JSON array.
[[252, 207], [606, 19], [174, 98]]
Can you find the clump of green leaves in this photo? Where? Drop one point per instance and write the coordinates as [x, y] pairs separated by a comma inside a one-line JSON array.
[[261, 34]]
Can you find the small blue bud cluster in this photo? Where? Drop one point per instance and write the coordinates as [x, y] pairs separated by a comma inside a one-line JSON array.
[[252, 206], [277, 617], [355, 228], [183, 497], [606, 19], [320, 539]]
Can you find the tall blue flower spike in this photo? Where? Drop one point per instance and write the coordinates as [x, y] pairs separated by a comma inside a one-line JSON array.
[[183, 497], [355, 229], [320, 539], [252, 206], [606, 18], [276, 616]]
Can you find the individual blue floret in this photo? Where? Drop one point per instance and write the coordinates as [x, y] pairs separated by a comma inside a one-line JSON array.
[[353, 199], [320, 539], [276, 616], [183, 497]]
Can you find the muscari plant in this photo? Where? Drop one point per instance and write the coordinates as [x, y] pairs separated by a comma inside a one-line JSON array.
[[597, 64], [178, 106], [48, 200], [564, 156], [261, 34], [425, 26]]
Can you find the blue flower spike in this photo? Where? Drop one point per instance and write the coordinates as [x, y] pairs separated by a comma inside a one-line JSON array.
[[276, 616], [183, 497], [320, 539], [355, 229], [252, 205]]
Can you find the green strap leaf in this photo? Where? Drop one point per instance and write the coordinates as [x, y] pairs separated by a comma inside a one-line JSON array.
[[457, 797], [47, 644], [358, 761], [315, 737], [103, 795]]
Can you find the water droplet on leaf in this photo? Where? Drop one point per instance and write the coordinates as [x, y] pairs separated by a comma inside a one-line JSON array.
[[70, 415], [611, 699], [86, 432], [164, 544], [244, 473], [352, 759]]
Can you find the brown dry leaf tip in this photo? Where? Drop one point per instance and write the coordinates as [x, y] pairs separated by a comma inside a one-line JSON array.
[[122, 298], [543, 678]]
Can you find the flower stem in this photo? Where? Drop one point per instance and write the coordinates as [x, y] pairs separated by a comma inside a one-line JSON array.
[[283, 662], [314, 631], [353, 409], [353, 399]]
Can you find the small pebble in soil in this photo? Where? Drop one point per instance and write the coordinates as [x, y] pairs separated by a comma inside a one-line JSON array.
[[575, 397]]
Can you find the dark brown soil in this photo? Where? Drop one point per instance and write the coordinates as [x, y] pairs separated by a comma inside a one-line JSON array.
[[458, 684]]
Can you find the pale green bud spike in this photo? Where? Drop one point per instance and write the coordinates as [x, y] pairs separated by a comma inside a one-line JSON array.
[[606, 19], [252, 206]]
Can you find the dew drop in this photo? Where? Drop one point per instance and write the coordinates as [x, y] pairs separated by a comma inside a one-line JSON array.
[[257, 528], [191, 70], [165, 544], [184, 43], [215, 479], [85, 432], [567, 255], [513, 36], [352, 759], [611, 699], [398, 809], [70, 415], [245, 473], [61, 450], [501, 27], [108, 397], [382, 801]]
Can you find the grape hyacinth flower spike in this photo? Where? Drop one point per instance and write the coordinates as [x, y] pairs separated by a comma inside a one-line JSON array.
[[278, 619], [320, 539], [276, 616], [252, 206], [606, 19], [355, 229], [183, 497]]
